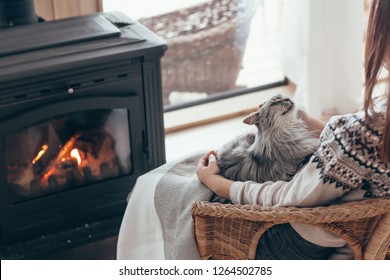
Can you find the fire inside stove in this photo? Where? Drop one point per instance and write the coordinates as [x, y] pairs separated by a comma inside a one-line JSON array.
[[69, 151]]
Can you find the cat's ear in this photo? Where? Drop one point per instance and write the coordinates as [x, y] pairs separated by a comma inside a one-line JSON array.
[[252, 119]]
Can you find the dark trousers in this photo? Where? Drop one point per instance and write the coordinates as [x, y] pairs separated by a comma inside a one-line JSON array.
[[282, 242]]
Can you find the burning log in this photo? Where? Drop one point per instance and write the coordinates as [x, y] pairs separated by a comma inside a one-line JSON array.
[[87, 156], [88, 177]]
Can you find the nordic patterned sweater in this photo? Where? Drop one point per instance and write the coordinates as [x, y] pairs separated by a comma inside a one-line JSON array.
[[346, 167]]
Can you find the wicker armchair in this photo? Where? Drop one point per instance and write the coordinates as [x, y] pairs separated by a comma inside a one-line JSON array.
[[225, 231], [206, 44]]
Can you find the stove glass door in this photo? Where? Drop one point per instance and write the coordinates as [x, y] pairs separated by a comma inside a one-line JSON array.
[[68, 151]]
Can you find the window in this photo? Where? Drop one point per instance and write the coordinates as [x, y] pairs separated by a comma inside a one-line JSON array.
[[216, 48]]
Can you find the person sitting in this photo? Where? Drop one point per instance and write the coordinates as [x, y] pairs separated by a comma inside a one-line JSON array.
[[351, 163]]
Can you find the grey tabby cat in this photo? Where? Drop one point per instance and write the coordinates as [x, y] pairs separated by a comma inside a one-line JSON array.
[[278, 149]]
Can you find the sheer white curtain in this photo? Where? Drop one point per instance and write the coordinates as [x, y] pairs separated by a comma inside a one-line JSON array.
[[322, 53]]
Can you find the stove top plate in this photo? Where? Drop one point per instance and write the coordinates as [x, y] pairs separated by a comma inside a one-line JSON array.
[[55, 33]]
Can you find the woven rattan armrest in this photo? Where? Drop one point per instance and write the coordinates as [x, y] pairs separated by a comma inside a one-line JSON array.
[[225, 231]]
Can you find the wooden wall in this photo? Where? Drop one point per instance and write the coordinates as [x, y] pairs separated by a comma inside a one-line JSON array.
[[56, 9]]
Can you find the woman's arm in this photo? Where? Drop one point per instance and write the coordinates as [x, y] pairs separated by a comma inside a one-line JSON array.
[[307, 188]]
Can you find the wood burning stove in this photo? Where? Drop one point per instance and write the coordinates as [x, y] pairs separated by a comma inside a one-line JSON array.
[[80, 119]]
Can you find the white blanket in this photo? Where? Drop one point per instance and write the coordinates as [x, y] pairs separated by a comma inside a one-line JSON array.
[[157, 223]]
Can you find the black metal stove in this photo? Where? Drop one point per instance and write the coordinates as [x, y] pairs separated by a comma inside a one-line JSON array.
[[81, 118]]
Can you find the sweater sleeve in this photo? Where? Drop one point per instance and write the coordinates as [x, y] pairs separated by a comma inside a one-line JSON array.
[[306, 189]]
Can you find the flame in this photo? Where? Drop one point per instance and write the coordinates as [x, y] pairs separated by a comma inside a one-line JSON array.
[[40, 153], [75, 154]]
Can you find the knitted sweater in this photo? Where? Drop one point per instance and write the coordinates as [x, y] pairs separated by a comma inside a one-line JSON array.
[[345, 167]]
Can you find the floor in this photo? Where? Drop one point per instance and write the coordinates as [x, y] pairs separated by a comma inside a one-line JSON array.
[[104, 249]]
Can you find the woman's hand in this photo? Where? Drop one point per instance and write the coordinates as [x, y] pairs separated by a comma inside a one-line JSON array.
[[208, 173], [314, 125], [207, 166]]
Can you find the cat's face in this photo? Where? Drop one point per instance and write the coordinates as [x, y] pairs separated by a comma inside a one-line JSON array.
[[274, 112]]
